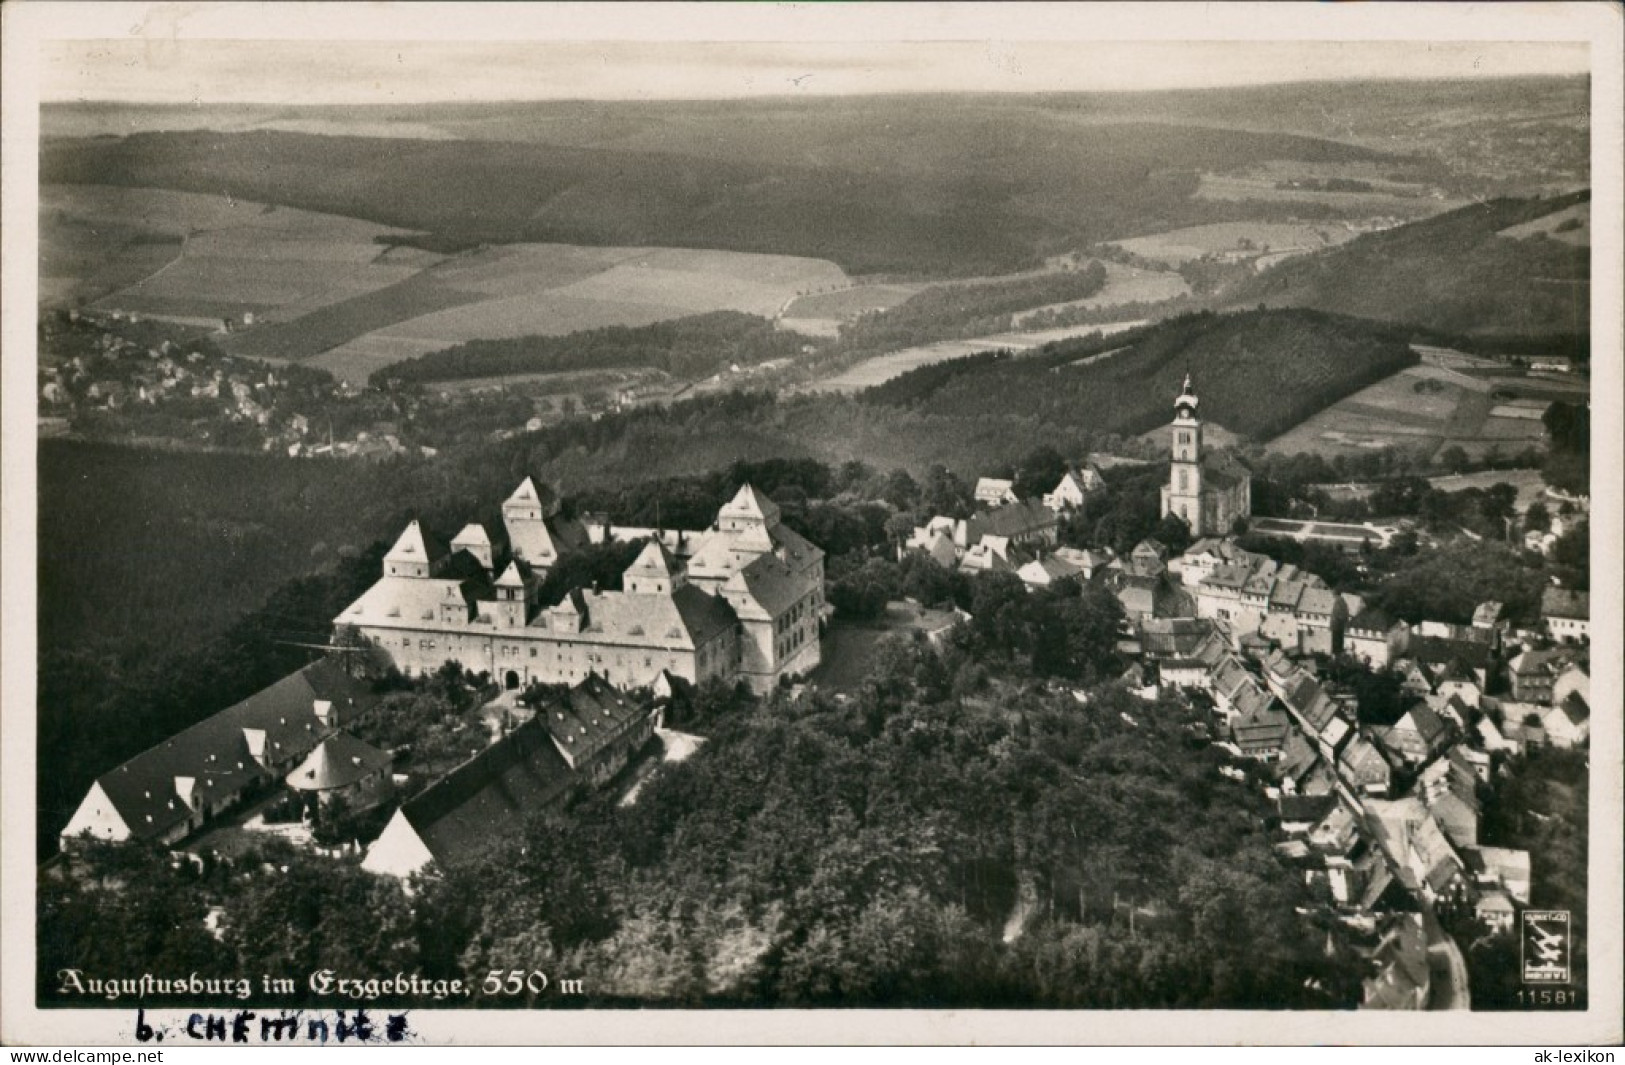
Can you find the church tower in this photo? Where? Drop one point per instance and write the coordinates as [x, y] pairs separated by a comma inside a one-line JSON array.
[[1183, 495]]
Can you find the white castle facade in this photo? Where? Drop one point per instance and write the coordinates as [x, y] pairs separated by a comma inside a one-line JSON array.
[[742, 600]]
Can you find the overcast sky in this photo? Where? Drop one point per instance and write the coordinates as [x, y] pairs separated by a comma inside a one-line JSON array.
[[159, 70]]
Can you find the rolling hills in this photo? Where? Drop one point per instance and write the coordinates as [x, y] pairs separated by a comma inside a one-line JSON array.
[[949, 193], [1258, 373], [1457, 273]]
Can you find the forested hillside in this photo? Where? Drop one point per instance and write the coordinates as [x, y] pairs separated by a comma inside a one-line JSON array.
[[690, 347], [950, 836], [945, 192], [1453, 273], [1257, 373]]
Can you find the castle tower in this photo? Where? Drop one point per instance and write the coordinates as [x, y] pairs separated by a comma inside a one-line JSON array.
[[525, 515], [654, 572], [410, 557], [474, 540], [1183, 495], [511, 601], [748, 511]]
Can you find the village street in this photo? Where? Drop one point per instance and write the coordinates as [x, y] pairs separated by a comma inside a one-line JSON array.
[[1448, 967]]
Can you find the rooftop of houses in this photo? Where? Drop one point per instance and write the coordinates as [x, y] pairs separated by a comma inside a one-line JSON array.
[[488, 796], [226, 751], [336, 763], [993, 489], [589, 717], [1016, 521], [1551, 661], [1441, 651], [1372, 621], [1048, 570], [1260, 730], [1565, 603], [1402, 963], [1174, 638]]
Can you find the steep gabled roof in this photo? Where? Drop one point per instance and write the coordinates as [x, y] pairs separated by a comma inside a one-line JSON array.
[[653, 561], [530, 494], [472, 533], [1364, 762], [216, 751], [337, 762], [589, 717], [415, 545], [749, 504], [769, 583], [489, 796], [1575, 708]]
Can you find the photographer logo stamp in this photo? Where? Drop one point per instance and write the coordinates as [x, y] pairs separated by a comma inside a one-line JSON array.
[[1546, 946]]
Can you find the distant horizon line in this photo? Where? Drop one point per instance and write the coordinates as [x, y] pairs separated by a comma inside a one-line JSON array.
[[819, 96]]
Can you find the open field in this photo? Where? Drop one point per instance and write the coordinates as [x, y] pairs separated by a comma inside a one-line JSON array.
[[1243, 239], [323, 289], [1571, 225], [1529, 483], [1405, 203], [201, 256], [1124, 284], [823, 313], [1422, 409], [882, 368], [850, 302], [1338, 534]]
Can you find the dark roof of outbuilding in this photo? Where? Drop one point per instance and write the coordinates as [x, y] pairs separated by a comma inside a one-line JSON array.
[[489, 795], [215, 751]]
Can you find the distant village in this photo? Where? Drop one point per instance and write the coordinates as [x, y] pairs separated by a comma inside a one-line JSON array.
[[1380, 820]]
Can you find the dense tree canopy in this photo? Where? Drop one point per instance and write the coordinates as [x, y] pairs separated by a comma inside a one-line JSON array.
[[911, 846]]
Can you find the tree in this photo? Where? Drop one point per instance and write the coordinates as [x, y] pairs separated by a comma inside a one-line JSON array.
[[1039, 472], [1454, 459], [1174, 533], [900, 490], [1573, 549], [1537, 518]]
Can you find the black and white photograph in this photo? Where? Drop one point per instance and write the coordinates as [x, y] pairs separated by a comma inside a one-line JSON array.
[[557, 522]]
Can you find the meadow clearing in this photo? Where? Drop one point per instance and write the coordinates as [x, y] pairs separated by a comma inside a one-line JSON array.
[[337, 293], [1403, 201], [1531, 485], [822, 314], [1243, 238], [194, 256], [1571, 225], [883, 368], [1124, 284], [1422, 409]]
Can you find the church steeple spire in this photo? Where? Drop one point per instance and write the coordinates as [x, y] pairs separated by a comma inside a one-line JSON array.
[[1185, 404]]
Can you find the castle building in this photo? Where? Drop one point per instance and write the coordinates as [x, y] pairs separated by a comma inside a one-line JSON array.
[[743, 601], [1208, 490]]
